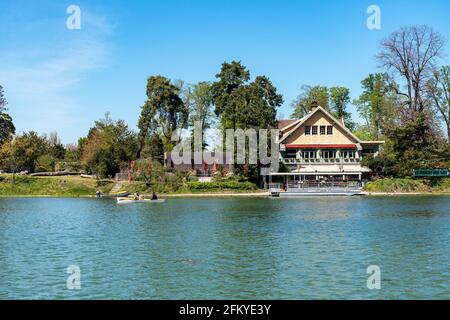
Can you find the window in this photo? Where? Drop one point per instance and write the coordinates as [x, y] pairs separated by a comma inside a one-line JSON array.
[[290, 154], [329, 154], [314, 130], [329, 130], [307, 130], [322, 130], [348, 154], [309, 155]]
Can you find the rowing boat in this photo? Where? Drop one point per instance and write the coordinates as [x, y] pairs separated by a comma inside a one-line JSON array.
[[131, 200]]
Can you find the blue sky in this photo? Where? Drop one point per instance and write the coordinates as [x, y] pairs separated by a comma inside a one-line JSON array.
[[62, 80]]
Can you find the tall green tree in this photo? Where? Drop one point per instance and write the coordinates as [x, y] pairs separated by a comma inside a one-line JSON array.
[[241, 104], [340, 98], [7, 128], [162, 113], [376, 103], [438, 90], [201, 102], [310, 94], [109, 145], [231, 77]]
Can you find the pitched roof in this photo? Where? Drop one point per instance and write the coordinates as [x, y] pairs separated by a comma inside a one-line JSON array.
[[339, 123], [282, 124]]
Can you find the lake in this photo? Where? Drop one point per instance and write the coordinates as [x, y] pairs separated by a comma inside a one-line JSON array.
[[226, 248]]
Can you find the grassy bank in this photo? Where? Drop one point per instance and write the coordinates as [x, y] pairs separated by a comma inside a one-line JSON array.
[[405, 185], [75, 186], [67, 186]]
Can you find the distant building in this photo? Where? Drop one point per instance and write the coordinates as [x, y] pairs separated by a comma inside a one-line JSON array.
[[212, 162]]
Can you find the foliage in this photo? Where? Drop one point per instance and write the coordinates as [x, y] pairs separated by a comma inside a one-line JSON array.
[[397, 185], [240, 104], [45, 163], [221, 185], [376, 104], [162, 113], [7, 128], [333, 99], [438, 90], [310, 94], [108, 145], [200, 102]]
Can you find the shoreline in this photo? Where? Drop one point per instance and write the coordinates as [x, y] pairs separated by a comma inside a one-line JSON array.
[[231, 195]]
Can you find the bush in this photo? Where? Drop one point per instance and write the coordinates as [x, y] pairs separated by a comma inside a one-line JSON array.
[[222, 185], [397, 185], [45, 163]]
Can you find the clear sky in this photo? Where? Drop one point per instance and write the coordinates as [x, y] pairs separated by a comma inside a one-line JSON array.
[[57, 79]]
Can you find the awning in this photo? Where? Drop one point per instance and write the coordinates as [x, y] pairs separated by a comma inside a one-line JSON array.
[[321, 146]]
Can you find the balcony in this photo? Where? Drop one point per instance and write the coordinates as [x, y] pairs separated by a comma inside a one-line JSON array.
[[297, 161]]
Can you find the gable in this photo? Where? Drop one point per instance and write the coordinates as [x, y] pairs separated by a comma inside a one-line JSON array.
[[320, 118]]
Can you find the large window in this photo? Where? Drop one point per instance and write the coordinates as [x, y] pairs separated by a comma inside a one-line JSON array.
[[329, 130], [307, 130], [322, 130], [314, 130]]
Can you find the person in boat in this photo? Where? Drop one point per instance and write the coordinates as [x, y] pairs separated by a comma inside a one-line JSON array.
[[98, 194], [137, 196], [154, 196]]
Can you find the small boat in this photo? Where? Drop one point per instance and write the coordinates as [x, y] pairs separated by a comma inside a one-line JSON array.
[[131, 200], [120, 194]]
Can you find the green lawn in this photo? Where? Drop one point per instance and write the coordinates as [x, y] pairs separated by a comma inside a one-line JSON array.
[[65, 186]]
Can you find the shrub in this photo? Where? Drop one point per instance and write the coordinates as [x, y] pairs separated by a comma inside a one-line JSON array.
[[45, 163], [221, 185]]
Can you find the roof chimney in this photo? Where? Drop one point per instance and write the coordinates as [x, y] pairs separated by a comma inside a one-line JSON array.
[[314, 105]]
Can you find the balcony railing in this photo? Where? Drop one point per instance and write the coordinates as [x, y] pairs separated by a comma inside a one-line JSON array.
[[320, 161], [316, 186]]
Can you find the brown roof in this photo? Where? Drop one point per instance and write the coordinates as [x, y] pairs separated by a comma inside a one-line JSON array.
[[284, 123]]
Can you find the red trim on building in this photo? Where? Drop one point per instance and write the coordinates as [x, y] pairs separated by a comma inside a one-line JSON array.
[[321, 146]]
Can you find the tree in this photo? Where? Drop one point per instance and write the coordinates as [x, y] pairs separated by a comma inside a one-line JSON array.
[[109, 144], [231, 76], [243, 105], [7, 128], [377, 102], [334, 100], [162, 113], [410, 54], [438, 90], [200, 101], [310, 94], [26, 149], [339, 98]]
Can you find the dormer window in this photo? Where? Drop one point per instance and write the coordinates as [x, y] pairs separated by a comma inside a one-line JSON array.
[[329, 130], [307, 130], [322, 130], [314, 130]]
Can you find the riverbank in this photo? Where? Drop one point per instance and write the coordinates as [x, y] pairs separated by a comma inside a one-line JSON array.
[[77, 187]]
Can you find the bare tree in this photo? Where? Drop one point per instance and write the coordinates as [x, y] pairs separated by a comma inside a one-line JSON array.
[[438, 90], [411, 53]]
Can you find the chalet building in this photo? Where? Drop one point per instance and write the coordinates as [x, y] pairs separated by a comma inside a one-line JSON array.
[[319, 151]]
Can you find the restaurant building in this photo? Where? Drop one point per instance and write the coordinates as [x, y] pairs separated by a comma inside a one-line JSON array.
[[320, 154]]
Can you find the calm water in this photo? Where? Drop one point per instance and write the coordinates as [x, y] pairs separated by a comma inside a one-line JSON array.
[[235, 248]]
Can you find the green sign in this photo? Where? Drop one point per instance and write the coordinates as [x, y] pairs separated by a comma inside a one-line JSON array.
[[430, 173]]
